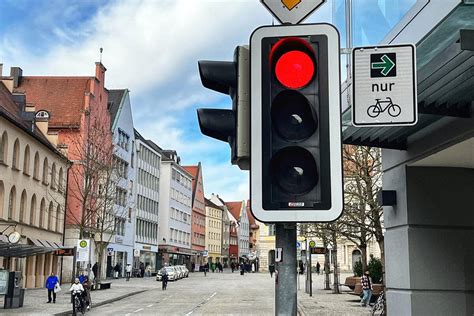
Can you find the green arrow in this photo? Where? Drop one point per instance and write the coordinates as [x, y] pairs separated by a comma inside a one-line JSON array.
[[386, 65]]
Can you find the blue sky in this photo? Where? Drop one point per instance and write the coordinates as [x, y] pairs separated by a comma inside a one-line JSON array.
[[151, 48]]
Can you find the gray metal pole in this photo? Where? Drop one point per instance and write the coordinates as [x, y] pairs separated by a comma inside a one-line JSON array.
[[285, 288], [310, 275]]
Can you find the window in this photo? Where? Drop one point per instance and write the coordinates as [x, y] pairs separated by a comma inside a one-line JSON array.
[[22, 206], [36, 167], [45, 171], [41, 214], [53, 176], [58, 218], [50, 216], [16, 155], [12, 203], [2, 195], [33, 210], [61, 180], [133, 154], [26, 161], [4, 147]]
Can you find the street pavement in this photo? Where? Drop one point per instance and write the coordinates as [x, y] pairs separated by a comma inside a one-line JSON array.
[[216, 294]]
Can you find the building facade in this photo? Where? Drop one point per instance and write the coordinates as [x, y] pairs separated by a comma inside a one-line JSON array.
[[147, 203], [198, 227], [120, 248], [80, 123], [175, 212], [32, 190], [239, 212], [213, 232]]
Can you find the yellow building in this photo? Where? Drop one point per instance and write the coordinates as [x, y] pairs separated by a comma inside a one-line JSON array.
[[32, 190], [213, 231]]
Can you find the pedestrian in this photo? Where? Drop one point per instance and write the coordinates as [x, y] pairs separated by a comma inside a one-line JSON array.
[[87, 285], [232, 266], [142, 269], [95, 269], [206, 268], [271, 268], [301, 266], [164, 277], [193, 266], [213, 267], [366, 288], [82, 277], [116, 271], [51, 282], [318, 268], [128, 271], [219, 266], [242, 269]]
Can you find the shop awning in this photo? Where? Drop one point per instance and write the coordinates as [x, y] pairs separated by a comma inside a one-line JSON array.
[[31, 247]]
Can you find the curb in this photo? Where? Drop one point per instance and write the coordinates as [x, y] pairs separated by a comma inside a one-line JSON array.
[[118, 298]]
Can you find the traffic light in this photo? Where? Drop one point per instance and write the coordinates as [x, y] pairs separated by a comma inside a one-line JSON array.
[[232, 126], [296, 160]]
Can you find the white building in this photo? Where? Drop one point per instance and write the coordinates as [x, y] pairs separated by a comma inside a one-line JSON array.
[[120, 248], [147, 202], [175, 212]]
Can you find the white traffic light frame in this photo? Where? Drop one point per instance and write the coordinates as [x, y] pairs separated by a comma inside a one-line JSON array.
[[335, 143]]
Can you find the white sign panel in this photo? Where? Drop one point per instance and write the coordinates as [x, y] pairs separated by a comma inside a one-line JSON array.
[[291, 11], [83, 248], [384, 86]]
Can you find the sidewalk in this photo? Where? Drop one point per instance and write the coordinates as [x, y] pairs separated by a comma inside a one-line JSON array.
[[323, 302], [35, 299]]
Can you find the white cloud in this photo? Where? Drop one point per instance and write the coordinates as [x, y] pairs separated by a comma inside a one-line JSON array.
[[152, 48]]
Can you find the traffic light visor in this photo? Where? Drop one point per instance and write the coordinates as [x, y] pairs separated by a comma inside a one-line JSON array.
[[294, 65]]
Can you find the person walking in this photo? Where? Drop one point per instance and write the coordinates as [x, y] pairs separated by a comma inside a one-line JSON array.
[[232, 266], [51, 282], [366, 288], [206, 268], [271, 268], [164, 277], [142, 269], [95, 270], [128, 271], [116, 271], [87, 285], [242, 268], [318, 267], [193, 266]]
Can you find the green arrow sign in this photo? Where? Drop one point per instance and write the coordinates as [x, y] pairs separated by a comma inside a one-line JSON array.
[[386, 65]]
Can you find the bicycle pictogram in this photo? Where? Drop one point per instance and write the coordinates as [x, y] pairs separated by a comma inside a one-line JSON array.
[[381, 106]]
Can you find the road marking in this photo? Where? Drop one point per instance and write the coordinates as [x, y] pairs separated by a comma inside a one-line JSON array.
[[201, 304], [150, 305], [138, 310]]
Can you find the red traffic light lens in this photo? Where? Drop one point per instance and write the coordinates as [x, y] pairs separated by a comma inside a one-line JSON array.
[[294, 69]]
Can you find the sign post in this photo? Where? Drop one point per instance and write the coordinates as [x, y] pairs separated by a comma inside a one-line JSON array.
[[384, 86]]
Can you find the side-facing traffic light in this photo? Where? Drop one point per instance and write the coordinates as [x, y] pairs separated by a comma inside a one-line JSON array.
[[296, 164], [232, 126]]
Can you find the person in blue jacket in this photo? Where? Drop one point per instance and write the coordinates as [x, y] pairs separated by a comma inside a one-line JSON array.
[[50, 284]]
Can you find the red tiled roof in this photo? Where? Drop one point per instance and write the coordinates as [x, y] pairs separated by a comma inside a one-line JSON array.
[[252, 222], [234, 208], [62, 97]]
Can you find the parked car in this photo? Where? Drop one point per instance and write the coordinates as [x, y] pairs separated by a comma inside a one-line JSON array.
[[186, 271], [180, 271], [172, 274]]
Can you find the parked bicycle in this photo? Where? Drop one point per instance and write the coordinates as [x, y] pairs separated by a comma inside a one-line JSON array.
[[380, 106], [379, 306]]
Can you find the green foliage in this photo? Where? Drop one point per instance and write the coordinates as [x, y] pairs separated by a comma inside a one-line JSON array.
[[375, 269], [357, 268]]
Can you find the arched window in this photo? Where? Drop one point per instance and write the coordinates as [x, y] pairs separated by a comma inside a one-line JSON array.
[[53, 176], [16, 154], [33, 210], [58, 218], [26, 160], [12, 203], [50, 216], [45, 170], [36, 166], [22, 206], [61, 180], [42, 211], [4, 147], [2, 195]]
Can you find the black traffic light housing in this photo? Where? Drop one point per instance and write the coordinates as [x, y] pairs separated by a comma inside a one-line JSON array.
[[232, 126], [296, 162]]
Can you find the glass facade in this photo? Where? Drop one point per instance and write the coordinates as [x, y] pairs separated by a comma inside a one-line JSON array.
[[371, 21]]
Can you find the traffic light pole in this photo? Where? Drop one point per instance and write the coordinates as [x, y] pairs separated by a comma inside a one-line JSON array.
[[285, 288]]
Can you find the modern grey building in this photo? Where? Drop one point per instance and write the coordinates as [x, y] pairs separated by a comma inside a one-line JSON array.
[[147, 197], [430, 166]]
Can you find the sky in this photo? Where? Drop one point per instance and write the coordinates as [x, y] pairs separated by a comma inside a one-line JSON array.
[[151, 48]]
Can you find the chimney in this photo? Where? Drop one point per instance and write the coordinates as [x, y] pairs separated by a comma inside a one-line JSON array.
[[100, 71], [16, 73]]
